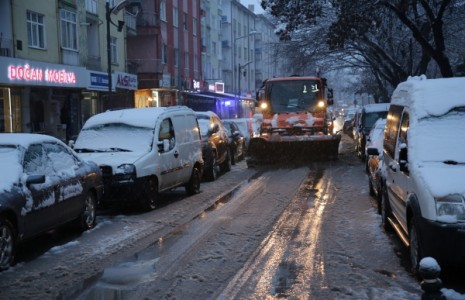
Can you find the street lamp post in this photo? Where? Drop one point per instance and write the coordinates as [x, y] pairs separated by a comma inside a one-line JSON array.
[[108, 11], [234, 61]]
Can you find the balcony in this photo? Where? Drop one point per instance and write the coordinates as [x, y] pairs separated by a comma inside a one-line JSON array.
[[147, 19], [6, 47], [146, 65]]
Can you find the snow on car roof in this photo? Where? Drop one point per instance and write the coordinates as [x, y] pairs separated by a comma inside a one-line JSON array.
[[138, 117], [375, 107], [433, 97], [24, 139]]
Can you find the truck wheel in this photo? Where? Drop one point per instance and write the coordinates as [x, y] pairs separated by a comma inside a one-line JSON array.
[[7, 243], [150, 194], [193, 186]]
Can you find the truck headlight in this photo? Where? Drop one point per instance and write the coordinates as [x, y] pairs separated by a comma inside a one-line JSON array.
[[450, 208]]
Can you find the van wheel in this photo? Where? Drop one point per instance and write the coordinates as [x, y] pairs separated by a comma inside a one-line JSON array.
[[150, 194], [193, 186], [7, 243], [414, 248]]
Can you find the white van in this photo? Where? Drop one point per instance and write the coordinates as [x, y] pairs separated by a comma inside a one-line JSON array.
[[143, 151], [424, 158]]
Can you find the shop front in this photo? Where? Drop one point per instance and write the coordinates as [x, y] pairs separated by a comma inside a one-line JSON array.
[[39, 97]]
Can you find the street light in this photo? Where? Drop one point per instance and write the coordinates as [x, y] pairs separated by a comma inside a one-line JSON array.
[[114, 10], [234, 61]]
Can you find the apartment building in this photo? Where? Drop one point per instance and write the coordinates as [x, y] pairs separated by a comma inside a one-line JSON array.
[[166, 52], [55, 62]]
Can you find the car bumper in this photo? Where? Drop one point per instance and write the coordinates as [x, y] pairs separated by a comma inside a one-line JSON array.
[[444, 242], [121, 191]]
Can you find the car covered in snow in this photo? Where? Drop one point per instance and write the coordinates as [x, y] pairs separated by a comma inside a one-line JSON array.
[[424, 159], [374, 163], [43, 184], [142, 152], [364, 121]]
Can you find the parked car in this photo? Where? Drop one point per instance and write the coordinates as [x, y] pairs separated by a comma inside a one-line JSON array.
[[424, 158], [236, 141], [365, 118], [374, 163], [43, 184], [215, 145], [142, 152]]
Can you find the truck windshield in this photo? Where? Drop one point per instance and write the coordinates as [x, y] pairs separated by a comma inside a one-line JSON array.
[[293, 95]]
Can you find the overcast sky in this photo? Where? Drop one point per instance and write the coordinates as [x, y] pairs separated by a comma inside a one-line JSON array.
[[258, 8]]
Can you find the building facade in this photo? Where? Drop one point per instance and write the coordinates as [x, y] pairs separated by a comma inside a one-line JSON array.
[[53, 65], [166, 51]]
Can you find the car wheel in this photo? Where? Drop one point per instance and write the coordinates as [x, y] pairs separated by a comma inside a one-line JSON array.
[[414, 248], [226, 165], [193, 186], [233, 157], [88, 215], [7, 243], [370, 188], [150, 195], [385, 212]]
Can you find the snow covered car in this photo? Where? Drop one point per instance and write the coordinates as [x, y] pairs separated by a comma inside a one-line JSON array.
[[374, 163], [43, 184], [215, 144], [236, 141], [424, 158], [364, 120], [142, 152]]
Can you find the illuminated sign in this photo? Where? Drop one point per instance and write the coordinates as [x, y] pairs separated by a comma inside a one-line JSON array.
[[27, 73], [219, 87], [196, 84], [36, 73]]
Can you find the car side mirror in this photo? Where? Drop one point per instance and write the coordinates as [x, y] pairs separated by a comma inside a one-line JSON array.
[[372, 151], [403, 159], [71, 144]]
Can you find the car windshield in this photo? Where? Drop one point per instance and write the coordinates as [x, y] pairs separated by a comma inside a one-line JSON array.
[[369, 119], [440, 138], [109, 138], [293, 95], [10, 156]]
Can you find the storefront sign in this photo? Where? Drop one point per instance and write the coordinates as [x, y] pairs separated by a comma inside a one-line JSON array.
[[19, 71], [98, 81], [126, 81]]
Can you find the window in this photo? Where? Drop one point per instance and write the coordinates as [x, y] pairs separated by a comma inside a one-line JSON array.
[[114, 52], [214, 48], [185, 21], [35, 30], [175, 17], [68, 30], [167, 132], [163, 54], [176, 57], [196, 64], [186, 60], [163, 10], [194, 26]]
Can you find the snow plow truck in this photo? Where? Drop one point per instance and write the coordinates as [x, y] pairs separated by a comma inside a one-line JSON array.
[[296, 124]]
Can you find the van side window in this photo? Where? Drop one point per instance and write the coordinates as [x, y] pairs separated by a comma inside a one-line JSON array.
[[392, 129], [167, 132]]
